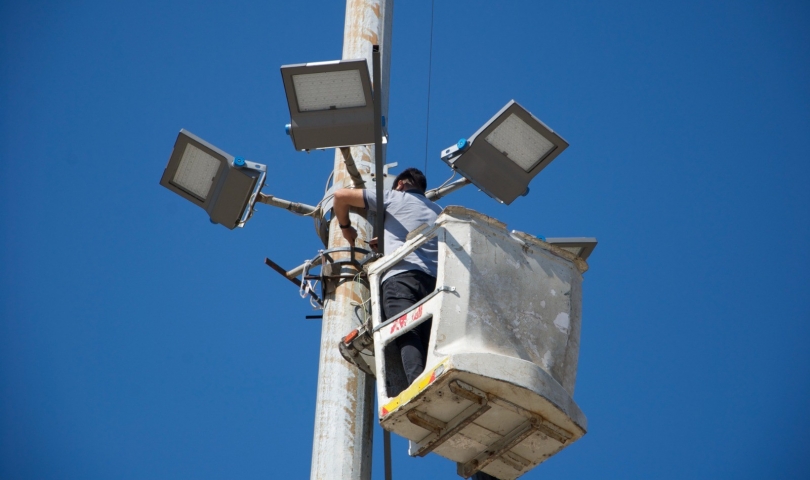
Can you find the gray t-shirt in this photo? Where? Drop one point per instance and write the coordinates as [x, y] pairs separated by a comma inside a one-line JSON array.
[[405, 211]]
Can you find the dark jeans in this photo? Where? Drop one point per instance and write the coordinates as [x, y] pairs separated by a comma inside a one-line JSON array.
[[398, 293]]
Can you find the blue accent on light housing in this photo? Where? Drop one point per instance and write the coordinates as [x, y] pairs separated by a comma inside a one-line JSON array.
[[287, 128], [462, 144], [541, 238], [239, 161], [525, 193]]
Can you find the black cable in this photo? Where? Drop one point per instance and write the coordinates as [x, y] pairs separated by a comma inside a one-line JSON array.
[[430, 69]]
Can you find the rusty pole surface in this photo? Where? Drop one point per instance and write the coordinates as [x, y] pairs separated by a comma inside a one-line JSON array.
[[344, 412]]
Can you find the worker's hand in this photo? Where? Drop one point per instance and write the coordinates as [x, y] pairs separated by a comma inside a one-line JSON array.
[[373, 244], [350, 234]]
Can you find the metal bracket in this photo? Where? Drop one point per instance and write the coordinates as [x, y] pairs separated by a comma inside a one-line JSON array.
[[248, 213], [437, 193], [293, 279], [294, 207], [323, 257], [431, 424], [358, 264], [457, 423], [369, 258], [498, 449]]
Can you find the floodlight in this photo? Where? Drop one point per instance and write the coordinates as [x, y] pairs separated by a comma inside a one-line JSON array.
[[330, 103], [503, 156], [579, 246], [223, 185]]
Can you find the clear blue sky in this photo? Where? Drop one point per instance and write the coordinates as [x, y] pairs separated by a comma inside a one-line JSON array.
[[139, 341]]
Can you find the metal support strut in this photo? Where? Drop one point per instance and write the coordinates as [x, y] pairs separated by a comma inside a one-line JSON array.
[[379, 156]]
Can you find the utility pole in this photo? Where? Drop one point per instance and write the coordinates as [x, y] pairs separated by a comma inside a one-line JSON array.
[[344, 411], [512, 147]]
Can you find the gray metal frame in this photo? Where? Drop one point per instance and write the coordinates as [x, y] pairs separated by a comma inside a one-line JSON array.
[[329, 128], [379, 153], [233, 191], [492, 171]]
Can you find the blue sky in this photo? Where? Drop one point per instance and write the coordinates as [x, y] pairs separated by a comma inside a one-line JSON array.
[[139, 341]]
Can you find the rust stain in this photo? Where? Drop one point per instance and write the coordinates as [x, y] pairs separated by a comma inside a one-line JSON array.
[[351, 391], [354, 7], [351, 411], [353, 296], [365, 155], [369, 36]]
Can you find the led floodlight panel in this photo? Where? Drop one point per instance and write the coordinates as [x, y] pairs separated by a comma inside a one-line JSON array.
[[211, 179], [579, 246], [331, 104], [503, 156]]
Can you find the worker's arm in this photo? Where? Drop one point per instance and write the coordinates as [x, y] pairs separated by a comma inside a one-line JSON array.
[[345, 198]]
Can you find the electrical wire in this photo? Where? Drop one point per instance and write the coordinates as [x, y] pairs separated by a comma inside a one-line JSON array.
[[361, 305], [316, 214], [430, 69], [447, 181]]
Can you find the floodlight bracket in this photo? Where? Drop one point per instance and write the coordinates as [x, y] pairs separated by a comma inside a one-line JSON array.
[[449, 153], [384, 142], [291, 276], [295, 207], [254, 195], [248, 165]]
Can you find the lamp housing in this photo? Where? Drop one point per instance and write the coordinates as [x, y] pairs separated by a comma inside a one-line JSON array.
[[221, 184], [506, 153], [331, 104]]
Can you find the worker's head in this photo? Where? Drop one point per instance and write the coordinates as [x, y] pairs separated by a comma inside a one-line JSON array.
[[409, 179]]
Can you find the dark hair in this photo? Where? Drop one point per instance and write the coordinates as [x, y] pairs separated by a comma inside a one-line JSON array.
[[416, 177]]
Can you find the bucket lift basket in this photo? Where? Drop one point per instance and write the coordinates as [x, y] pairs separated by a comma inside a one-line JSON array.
[[496, 392]]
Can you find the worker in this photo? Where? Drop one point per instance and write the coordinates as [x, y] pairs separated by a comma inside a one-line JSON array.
[[413, 278]]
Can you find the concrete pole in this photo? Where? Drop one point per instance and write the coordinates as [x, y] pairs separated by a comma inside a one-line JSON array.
[[344, 412]]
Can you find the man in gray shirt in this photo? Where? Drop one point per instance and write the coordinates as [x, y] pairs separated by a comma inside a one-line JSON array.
[[413, 278]]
